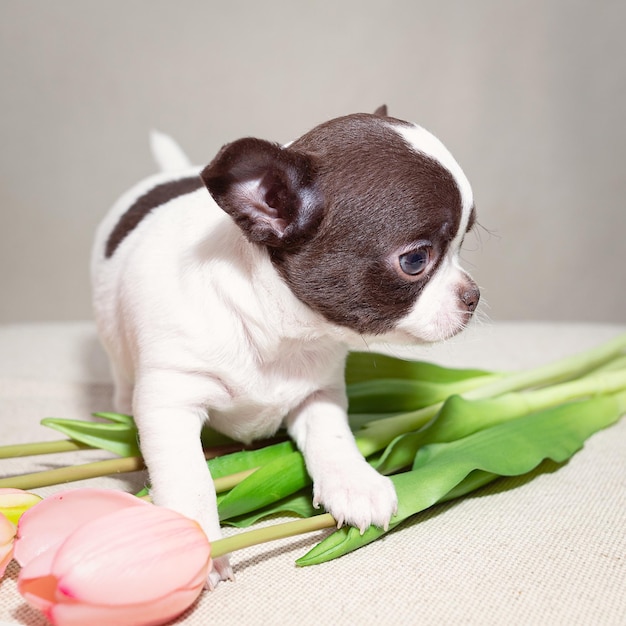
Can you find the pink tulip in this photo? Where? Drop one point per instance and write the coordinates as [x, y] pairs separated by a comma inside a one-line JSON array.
[[104, 557], [13, 503], [7, 533]]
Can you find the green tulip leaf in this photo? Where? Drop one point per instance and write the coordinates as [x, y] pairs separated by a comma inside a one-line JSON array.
[[360, 420], [248, 459], [299, 505], [212, 439], [118, 434], [278, 479], [119, 418], [398, 395], [365, 366], [508, 449], [459, 416]]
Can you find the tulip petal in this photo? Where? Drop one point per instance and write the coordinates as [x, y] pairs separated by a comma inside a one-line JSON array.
[[7, 533], [38, 591], [14, 502], [52, 520], [39, 566], [6, 554], [132, 556], [150, 614]]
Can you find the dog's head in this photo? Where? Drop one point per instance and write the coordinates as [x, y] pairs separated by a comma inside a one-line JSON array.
[[363, 217]]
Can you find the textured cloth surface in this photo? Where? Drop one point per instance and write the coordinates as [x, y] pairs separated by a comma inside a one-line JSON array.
[[547, 548]]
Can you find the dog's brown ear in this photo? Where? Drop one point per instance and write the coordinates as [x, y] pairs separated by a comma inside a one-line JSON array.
[[381, 111], [268, 190]]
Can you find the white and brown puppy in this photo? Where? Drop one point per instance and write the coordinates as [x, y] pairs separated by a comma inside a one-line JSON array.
[[237, 306]]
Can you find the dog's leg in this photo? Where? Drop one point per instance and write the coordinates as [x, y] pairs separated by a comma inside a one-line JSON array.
[[169, 418], [122, 391], [348, 487]]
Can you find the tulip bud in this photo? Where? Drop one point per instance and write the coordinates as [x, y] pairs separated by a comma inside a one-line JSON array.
[[136, 565], [13, 502]]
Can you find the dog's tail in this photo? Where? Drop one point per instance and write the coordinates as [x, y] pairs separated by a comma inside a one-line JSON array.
[[168, 155]]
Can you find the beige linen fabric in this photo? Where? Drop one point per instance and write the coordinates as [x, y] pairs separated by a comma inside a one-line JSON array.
[[549, 548]]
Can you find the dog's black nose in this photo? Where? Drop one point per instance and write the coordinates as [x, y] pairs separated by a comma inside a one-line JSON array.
[[470, 298]]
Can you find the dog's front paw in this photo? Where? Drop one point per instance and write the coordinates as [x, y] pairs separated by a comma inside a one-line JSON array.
[[220, 570], [358, 496]]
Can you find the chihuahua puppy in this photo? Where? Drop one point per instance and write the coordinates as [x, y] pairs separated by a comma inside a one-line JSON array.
[[231, 295]]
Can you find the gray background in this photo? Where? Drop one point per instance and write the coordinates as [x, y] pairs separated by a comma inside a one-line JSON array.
[[529, 96]]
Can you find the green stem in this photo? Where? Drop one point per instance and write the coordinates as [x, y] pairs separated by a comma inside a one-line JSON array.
[[376, 435], [616, 364], [594, 384], [271, 533], [73, 473], [558, 371], [102, 468], [43, 447], [225, 483]]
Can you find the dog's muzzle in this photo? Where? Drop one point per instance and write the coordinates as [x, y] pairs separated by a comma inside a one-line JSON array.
[[469, 295]]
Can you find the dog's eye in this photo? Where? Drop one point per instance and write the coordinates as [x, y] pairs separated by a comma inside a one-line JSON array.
[[414, 262]]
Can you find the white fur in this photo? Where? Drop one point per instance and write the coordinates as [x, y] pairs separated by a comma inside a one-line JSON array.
[[436, 315], [167, 153], [199, 327]]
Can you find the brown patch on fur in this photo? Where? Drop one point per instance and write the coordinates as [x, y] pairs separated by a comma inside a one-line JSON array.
[[380, 196], [269, 191], [145, 204]]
